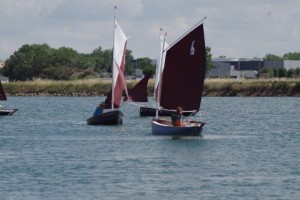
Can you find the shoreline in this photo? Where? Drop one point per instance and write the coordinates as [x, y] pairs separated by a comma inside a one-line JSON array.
[[212, 88]]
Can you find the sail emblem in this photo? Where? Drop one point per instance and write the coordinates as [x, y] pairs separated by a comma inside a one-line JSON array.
[[192, 51]]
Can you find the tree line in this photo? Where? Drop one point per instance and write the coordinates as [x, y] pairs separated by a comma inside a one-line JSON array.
[[286, 56], [41, 61]]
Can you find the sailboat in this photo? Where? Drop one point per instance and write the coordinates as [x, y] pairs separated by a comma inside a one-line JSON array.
[[5, 111], [182, 82], [151, 111], [113, 99]]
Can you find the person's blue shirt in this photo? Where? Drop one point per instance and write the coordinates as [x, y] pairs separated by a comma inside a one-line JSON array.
[[98, 111]]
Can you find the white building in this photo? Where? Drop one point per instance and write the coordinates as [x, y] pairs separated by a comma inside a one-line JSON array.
[[241, 74], [4, 79], [291, 64]]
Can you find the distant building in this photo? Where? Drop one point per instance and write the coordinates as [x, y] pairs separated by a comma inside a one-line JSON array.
[[286, 64], [246, 68], [291, 64], [138, 73], [4, 79], [220, 70], [235, 68], [274, 64], [243, 74]]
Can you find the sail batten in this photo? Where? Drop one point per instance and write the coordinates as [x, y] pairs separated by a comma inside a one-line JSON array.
[[184, 72]]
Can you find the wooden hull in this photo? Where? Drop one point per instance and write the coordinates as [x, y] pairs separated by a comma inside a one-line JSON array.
[[7, 111], [147, 111], [114, 117], [165, 127]]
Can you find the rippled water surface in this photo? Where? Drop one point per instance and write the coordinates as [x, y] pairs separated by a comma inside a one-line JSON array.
[[249, 149]]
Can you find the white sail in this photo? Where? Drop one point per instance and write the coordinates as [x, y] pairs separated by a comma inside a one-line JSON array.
[[119, 50], [160, 65]]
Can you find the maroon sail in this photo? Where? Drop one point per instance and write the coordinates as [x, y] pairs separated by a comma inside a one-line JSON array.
[[108, 101], [2, 93], [184, 71], [139, 92]]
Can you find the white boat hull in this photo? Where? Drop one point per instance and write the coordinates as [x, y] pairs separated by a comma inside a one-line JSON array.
[[165, 127]]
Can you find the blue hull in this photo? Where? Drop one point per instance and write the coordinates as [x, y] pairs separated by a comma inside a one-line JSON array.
[[164, 127]]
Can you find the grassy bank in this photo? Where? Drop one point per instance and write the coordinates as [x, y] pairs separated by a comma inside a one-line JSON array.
[[253, 87], [97, 87]]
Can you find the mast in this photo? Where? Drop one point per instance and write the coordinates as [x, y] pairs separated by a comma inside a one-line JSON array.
[[159, 55], [112, 66]]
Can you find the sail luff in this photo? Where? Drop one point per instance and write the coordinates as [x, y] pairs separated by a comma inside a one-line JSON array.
[[158, 63], [160, 66], [2, 93], [160, 71]]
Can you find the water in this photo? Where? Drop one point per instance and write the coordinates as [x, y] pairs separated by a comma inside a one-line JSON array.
[[249, 150]]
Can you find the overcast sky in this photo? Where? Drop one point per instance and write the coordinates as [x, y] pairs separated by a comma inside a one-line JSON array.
[[233, 28]]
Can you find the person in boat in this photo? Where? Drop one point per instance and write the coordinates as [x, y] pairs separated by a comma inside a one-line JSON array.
[[99, 109], [177, 119]]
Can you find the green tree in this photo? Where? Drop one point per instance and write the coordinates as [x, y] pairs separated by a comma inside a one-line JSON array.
[[65, 56], [97, 57], [209, 64], [107, 60], [26, 63], [146, 65], [292, 56], [281, 72], [272, 57], [291, 73], [129, 63]]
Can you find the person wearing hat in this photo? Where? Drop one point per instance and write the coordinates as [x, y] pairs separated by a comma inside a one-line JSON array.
[[99, 109]]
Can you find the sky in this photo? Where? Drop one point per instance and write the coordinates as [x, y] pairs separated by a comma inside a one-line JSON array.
[[233, 28]]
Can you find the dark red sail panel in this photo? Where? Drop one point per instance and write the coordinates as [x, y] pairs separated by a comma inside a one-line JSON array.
[[2, 93], [108, 101], [184, 72], [139, 92]]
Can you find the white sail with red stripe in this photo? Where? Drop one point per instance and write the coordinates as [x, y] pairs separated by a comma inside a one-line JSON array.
[[119, 52]]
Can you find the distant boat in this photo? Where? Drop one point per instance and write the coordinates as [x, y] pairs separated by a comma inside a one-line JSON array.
[[5, 111], [139, 92], [113, 99], [182, 81]]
